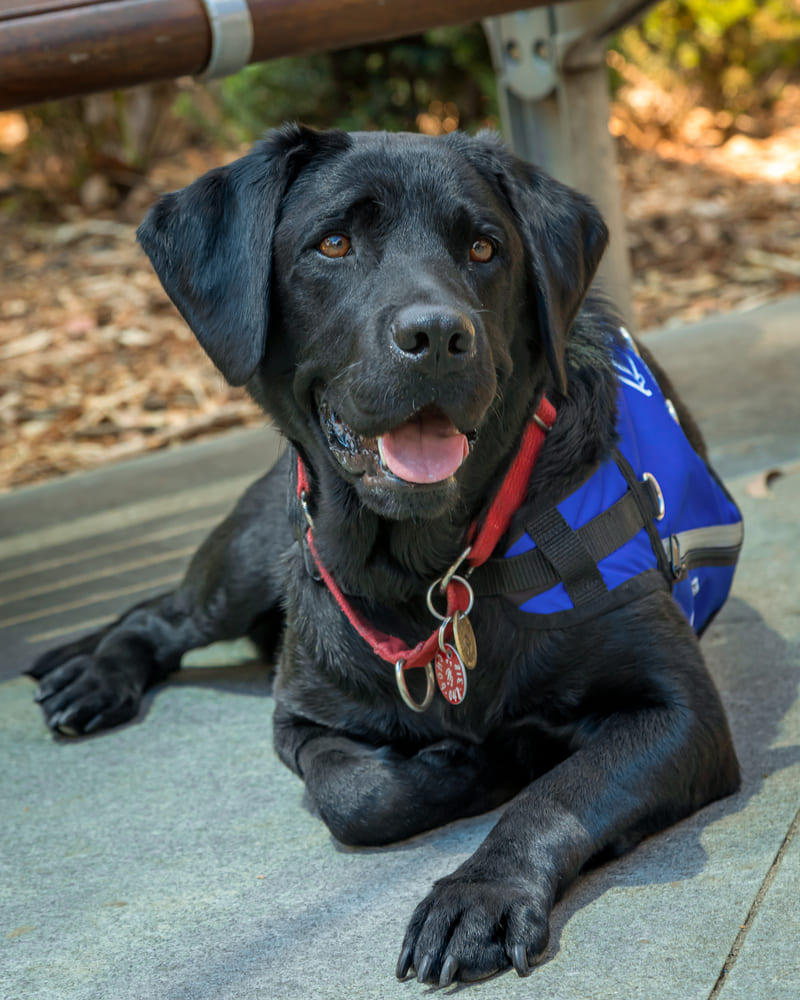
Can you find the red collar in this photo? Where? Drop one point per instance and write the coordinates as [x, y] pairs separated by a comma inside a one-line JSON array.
[[481, 543]]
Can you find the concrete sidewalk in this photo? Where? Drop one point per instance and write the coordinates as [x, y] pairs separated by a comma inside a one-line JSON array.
[[133, 867]]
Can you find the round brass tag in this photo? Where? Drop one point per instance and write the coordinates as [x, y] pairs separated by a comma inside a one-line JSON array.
[[465, 640]]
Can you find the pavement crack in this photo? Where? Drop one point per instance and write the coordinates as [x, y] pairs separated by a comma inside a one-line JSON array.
[[764, 888]]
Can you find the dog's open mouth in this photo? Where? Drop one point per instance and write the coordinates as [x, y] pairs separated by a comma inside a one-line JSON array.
[[427, 448]]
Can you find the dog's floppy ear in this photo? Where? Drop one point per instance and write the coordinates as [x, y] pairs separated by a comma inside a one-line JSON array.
[[564, 237], [211, 245]]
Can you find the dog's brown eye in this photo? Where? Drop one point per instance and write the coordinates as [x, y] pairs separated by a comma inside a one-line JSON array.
[[481, 251], [334, 245]]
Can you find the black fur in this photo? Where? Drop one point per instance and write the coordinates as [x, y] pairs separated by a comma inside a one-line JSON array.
[[605, 733]]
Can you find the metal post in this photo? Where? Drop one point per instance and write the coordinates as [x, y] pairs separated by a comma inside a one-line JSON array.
[[553, 92]]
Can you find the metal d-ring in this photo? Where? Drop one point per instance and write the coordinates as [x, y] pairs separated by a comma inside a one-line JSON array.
[[453, 577], [404, 692], [661, 509]]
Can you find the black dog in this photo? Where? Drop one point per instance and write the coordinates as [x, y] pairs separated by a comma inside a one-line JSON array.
[[410, 311]]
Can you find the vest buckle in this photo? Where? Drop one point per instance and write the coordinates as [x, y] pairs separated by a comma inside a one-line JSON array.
[[676, 561]]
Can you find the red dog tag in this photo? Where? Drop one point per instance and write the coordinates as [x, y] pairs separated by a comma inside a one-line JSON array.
[[450, 674]]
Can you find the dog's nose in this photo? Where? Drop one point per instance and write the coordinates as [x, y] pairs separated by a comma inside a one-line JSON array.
[[438, 337]]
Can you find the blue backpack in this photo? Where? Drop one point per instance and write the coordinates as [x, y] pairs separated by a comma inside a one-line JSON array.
[[653, 515]]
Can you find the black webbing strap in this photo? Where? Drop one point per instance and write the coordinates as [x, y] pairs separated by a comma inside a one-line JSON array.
[[529, 571], [645, 495], [568, 554], [533, 572]]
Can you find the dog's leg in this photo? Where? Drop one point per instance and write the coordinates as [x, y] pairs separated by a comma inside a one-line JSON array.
[[369, 796], [232, 582], [645, 758]]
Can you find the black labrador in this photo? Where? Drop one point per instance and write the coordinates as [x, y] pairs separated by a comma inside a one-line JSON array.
[[410, 311]]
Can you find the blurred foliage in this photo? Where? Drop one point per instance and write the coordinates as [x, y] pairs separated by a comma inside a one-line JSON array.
[[736, 56], [387, 85], [97, 147]]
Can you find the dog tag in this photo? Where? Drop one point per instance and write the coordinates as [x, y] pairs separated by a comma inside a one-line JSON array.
[[465, 640], [450, 674]]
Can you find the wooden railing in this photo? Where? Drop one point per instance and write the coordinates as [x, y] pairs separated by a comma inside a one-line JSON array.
[[61, 48]]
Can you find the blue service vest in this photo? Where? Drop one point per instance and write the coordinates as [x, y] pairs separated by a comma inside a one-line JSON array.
[[700, 532]]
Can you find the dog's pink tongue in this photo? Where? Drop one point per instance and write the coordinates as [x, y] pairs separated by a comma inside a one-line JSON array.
[[425, 449]]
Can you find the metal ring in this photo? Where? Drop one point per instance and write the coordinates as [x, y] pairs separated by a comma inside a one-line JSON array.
[[404, 693], [648, 477], [231, 37], [429, 597]]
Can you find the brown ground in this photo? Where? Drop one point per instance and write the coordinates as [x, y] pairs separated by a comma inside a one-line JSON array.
[[96, 365]]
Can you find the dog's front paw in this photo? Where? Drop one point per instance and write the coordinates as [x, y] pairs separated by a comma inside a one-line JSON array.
[[84, 695], [469, 928]]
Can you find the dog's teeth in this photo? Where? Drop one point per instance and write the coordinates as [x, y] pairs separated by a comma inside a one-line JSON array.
[[384, 466]]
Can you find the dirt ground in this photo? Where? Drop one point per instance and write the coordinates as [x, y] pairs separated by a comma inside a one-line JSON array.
[[96, 365]]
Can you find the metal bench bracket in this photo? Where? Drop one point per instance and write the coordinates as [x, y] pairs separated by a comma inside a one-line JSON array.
[[553, 94]]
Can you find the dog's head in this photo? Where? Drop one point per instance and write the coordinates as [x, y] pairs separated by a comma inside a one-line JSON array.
[[396, 302]]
